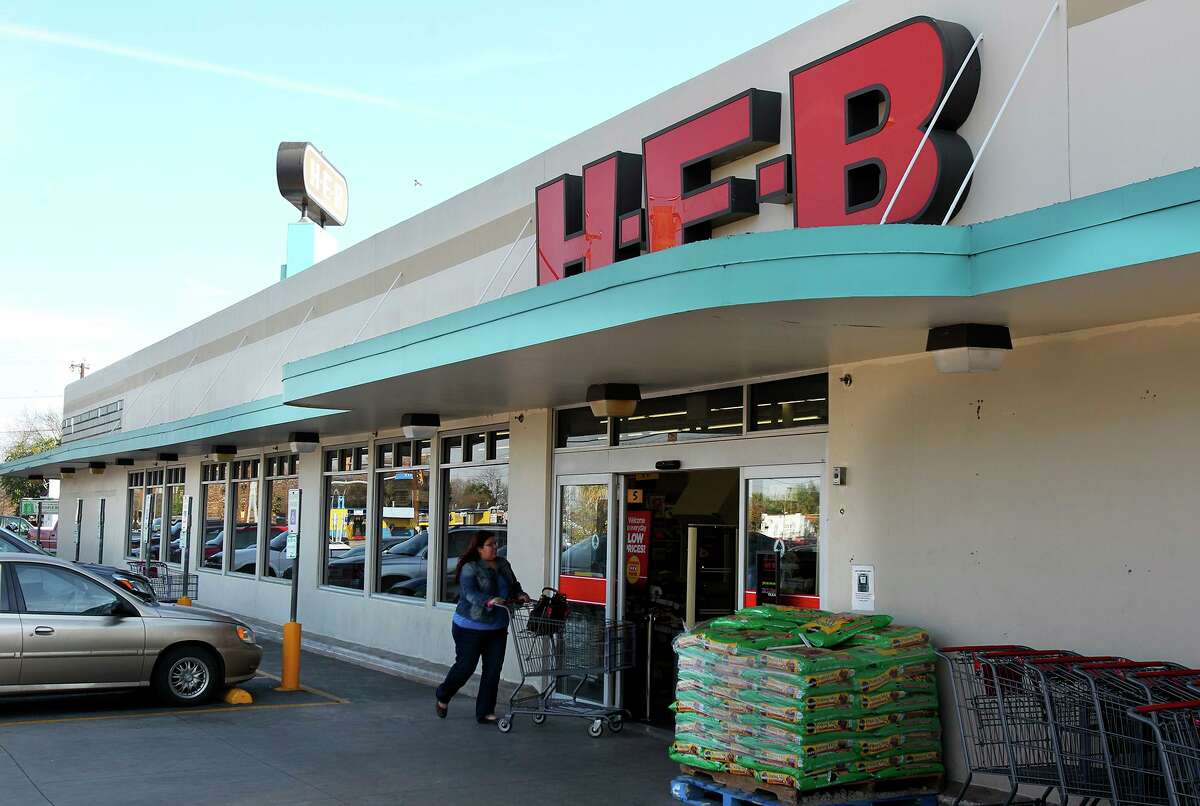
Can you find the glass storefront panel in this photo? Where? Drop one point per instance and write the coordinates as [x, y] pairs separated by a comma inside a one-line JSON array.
[[579, 428], [683, 418], [213, 532], [133, 531], [277, 563], [175, 499], [244, 548], [403, 542], [345, 525], [790, 403], [476, 503], [783, 526], [583, 565]]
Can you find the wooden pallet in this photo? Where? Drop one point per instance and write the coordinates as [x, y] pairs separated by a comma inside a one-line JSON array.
[[696, 787]]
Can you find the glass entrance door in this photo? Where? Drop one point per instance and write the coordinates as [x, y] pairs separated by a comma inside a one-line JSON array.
[[582, 523], [782, 526]]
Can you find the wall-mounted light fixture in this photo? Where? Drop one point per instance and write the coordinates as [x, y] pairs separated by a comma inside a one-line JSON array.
[[968, 347], [66, 471], [36, 477], [167, 457], [613, 399], [124, 461], [96, 468], [420, 426], [224, 453], [303, 441]]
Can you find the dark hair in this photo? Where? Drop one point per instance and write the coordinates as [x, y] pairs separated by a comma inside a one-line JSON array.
[[471, 554]]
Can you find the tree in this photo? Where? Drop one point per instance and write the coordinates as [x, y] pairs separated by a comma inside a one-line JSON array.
[[34, 432]]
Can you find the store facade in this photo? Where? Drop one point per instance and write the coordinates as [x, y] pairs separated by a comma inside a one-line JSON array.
[[727, 257]]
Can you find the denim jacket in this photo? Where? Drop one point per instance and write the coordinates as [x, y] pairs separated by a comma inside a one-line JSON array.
[[478, 583]]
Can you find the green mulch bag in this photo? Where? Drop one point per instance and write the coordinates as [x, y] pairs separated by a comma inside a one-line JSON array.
[[694, 702], [896, 742], [782, 731], [695, 653], [808, 783], [691, 722], [795, 685], [805, 661], [892, 700], [902, 719], [902, 765], [911, 676], [695, 761], [887, 656], [736, 641], [705, 747], [758, 753], [830, 629], [893, 636]]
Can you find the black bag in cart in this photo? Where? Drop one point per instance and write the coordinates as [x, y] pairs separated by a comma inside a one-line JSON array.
[[549, 613]]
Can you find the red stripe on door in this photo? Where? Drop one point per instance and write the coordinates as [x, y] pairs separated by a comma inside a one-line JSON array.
[[751, 599], [582, 589]]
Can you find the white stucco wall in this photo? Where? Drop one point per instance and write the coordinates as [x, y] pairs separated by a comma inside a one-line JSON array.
[[1051, 503]]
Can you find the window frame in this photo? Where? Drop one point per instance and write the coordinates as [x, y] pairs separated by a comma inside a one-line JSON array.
[[292, 469], [243, 470], [202, 517], [437, 559], [375, 542], [360, 463]]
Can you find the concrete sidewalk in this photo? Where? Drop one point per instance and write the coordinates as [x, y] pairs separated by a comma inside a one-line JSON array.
[[375, 740]]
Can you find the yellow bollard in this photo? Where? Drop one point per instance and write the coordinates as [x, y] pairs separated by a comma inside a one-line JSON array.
[[183, 600], [290, 680]]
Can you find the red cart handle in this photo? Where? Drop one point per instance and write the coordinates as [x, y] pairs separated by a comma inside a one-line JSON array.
[[1028, 653], [1169, 673], [1125, 664], [1167, 706], [983, 648], [1064, 660]]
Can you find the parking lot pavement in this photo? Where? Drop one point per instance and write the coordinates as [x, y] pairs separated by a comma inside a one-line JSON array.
[[356, 736]]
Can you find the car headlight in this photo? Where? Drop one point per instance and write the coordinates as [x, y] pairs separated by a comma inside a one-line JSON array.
[[245, 634]]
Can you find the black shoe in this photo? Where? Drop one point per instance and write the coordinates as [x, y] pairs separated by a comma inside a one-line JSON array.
[[442, 710]]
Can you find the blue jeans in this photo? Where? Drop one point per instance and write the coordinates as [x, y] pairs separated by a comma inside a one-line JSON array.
[[469, 647]]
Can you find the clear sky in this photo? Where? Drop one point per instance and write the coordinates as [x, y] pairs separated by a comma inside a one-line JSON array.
[[138, 138]]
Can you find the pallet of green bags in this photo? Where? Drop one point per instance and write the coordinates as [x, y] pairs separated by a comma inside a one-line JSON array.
[[807, 701]]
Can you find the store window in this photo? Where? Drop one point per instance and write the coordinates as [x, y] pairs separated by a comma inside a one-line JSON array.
[[141, 484], [174, 503], [683, 418], [282, 474], [214, 485], [790, 403], [783, 525], [240, 552], [579, 428], [402, 520], [345, 473], [475, 495]]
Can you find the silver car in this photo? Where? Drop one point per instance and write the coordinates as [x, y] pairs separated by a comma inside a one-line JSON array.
[[65, 628]]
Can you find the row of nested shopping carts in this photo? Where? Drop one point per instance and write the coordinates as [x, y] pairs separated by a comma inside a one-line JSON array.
[[1093, 728]]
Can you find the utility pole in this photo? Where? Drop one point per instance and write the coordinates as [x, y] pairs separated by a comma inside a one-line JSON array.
[[82, 366]]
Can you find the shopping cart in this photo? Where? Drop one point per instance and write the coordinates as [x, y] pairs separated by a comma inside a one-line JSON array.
[[166, 584], [566, 654], [1176, 730]]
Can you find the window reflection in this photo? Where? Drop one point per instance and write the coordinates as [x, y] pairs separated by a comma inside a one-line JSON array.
[[346, 522], [404, 532], [277, 563], [783, 524], [476, 501], [583, 530], [683, 418]]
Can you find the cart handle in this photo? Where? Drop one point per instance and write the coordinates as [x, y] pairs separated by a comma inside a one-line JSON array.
[[1064, 660], [984, 648], [1169, 673], [1167, 706], [1028, 653], [1124, 664]]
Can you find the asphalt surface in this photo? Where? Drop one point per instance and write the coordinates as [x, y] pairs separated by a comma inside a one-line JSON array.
[[356, 736]]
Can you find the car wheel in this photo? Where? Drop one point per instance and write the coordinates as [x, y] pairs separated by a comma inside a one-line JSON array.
[[186, 676]]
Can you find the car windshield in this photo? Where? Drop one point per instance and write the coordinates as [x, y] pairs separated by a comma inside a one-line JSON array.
[[411, 547], [10, 541]]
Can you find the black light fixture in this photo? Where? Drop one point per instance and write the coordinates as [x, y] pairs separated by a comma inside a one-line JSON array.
[[36, 477], [224, 453], [124, 461], [168, 457], [96, 468], [66, 471], [303, 441], [613, 399], [420, 426], [968, 347]]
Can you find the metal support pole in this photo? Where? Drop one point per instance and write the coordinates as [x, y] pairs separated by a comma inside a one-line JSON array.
[[279, 357], [974, 163], [932, 124], [78, 525], [378, 305], [185, 547], [290, 679], [39, 525], [517, 267], [217, 377], [100, 534], [693, 537], [504, 260]]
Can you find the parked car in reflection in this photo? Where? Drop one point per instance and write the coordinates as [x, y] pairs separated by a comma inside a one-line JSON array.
[[588, 557], [245, 559], [245, 535], [404, 566], [71, 629], [135, 583], [15, 524]]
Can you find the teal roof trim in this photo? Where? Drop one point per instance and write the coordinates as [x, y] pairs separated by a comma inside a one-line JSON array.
[[1151, 220], [263, 413]]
